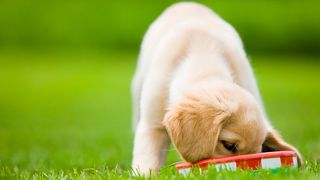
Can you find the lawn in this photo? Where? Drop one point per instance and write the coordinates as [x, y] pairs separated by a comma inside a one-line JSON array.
[[67, 115]]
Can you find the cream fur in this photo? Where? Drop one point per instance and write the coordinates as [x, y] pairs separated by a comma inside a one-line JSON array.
[[194, 85]]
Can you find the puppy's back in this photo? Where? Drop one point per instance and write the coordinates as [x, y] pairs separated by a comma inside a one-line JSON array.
[[181, 16]]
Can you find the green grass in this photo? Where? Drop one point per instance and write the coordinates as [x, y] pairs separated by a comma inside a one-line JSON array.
[[67, 115]]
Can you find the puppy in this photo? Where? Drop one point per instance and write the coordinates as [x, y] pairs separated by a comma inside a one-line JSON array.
[[194, 85]]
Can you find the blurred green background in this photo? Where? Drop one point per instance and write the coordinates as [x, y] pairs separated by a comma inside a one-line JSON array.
[[66, 66], [266, 26]]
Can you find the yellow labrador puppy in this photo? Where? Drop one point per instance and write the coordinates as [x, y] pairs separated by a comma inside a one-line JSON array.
[[194, 85]]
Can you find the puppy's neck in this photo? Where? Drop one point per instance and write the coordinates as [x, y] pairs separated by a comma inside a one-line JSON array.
[[198, 69]]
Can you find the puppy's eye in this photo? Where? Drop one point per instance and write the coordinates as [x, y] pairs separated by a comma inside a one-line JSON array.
[[232, 147]]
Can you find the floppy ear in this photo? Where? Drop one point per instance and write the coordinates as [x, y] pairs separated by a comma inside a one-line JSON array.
[[194, 131], [274, 142]]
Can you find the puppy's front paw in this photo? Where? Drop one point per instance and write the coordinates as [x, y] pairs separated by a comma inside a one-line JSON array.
[[143, 170]]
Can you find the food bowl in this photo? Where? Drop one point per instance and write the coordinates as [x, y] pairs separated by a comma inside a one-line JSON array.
[[266, 160]]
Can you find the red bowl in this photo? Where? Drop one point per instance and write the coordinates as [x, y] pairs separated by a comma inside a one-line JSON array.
[[266, 160]]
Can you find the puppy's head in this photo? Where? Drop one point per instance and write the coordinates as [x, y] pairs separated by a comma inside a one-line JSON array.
[[223, 121], [274, 142]]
